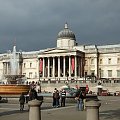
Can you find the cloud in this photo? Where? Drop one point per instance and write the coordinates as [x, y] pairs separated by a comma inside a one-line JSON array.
[[38, 22]]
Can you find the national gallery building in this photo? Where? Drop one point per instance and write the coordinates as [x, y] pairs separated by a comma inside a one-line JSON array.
[[68, 61]]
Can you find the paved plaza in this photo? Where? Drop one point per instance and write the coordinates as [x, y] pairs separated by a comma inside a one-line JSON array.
[[109, 110]]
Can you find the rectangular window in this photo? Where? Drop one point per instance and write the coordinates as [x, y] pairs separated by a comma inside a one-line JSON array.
[[109, 73], [109, 60], [30, 65], [35, 74], [92, 61], [118, 73], [101, 73], [101, 61], [118, 60], [30, 74]]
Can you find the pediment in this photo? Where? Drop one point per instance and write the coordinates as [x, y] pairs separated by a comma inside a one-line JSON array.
[[54, 50]]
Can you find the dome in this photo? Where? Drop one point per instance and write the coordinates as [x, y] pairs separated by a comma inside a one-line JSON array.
[[66, 33]]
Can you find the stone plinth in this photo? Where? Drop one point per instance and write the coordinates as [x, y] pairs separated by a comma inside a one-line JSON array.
[[35, 109], [92, 109]]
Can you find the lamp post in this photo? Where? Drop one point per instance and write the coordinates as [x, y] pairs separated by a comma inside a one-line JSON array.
[[85, 76]]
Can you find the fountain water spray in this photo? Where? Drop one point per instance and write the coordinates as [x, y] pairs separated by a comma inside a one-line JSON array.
[[14, 77], [13, 62]]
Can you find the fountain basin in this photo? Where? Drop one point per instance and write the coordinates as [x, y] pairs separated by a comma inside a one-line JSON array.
[[13, 89]]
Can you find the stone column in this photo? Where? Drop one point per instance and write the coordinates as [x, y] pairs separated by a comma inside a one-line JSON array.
[[80, 66], [53, 66], [18, 69], [34, 110], [3, 68], [38, 65], [96, 66], [58, 66], [43, 67], [48, 67], [69, 66], [92, 110], [75, 66], [63, 66], [7, 68], [89, 65]]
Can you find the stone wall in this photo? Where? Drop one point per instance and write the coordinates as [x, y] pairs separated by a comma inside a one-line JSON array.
[[110, 87]]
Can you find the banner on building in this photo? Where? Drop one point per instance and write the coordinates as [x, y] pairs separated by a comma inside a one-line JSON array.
[[73, 64]]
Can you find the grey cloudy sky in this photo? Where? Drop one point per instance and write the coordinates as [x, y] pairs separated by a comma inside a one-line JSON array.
[[35, 23]]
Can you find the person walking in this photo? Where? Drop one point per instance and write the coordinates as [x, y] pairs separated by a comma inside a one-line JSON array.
[[79, 97], [22, 101], [63, 97], [84, 99]]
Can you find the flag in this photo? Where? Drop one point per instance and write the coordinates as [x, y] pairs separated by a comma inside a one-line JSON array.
[[73, 63]]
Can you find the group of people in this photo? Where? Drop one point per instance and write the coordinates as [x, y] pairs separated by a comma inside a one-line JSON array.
[[59, 98]]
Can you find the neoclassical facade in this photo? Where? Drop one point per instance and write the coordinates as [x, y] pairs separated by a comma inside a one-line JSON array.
[[61, 64], [67, 61]]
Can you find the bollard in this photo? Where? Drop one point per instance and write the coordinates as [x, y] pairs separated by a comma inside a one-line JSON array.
[[92, 109], [35, 109]]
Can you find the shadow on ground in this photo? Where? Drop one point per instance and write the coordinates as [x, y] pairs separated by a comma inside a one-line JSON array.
[[107, 115], [18, 111], [12, 112]]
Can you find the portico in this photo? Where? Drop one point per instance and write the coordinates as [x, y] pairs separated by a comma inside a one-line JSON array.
[[61, 64]]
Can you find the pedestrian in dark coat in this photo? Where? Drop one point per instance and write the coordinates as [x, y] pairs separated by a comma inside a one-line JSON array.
[[56, 98], [22, 101], [32, 94]]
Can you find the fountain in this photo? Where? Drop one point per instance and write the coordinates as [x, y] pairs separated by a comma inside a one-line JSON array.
[[14, 84], [13, 77]]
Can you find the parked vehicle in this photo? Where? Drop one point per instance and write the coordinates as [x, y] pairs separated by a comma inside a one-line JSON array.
[[104, 93]]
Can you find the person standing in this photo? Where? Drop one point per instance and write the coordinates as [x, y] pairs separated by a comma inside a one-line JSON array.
[[63, 97], [22, 101], [56, 98]]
